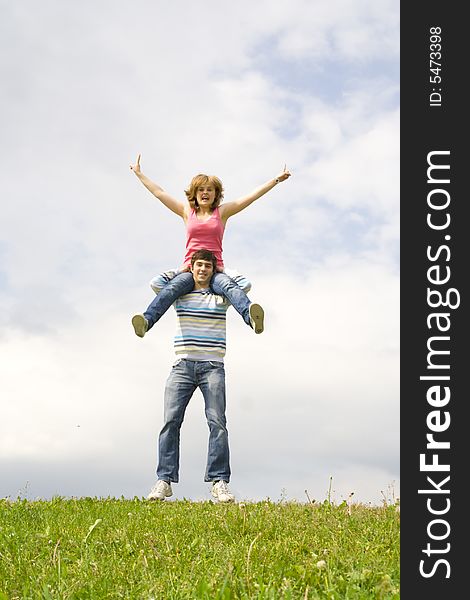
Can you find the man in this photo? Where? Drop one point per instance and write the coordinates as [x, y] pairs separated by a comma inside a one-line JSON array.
[[200, 343]]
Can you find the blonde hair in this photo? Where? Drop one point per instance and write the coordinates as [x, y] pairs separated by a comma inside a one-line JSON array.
[[202, 179]]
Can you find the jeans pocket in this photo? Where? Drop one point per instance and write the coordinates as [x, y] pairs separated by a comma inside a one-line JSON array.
[[217, 364], [178, 362]]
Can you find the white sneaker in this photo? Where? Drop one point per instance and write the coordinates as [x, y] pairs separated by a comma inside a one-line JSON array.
[[140, 324], [160, 491], [257, 318], [221, 492]]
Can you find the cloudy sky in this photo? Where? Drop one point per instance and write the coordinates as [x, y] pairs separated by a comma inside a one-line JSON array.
[[235, 89]]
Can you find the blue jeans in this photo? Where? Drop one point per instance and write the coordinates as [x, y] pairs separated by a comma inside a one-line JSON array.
[[185, 377], [223, 285], [183, 283]]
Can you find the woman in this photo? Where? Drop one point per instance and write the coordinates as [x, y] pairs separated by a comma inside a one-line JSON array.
[[205, 219]]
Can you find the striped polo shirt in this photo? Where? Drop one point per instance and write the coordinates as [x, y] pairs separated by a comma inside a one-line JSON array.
[[201, 326], [201, 319]]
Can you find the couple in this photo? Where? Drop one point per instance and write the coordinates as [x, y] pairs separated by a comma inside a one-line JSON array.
[[201, 290]]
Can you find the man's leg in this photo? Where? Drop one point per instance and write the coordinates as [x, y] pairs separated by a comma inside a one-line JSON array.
[[211, 378], [252, 314], [179, 388]]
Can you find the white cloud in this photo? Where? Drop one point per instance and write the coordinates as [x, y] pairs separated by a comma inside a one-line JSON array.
[[363, 173], [344, 29]]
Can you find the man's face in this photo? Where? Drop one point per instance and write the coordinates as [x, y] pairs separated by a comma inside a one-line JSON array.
[[202, 271]]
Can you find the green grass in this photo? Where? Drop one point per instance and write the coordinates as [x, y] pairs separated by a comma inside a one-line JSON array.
[[119, 548]]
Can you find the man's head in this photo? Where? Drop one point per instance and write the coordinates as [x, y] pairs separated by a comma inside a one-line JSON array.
[[203, 266]]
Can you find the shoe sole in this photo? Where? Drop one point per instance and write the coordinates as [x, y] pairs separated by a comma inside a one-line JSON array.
[[157, 499], [215, 500], [257, 318], [140, 325]]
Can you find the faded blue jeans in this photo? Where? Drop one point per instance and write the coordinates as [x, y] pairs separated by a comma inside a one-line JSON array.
[[183, 283], [185, 377]]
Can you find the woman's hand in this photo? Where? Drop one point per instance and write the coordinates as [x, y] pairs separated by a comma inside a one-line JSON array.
[[136, 167], [283, 175]]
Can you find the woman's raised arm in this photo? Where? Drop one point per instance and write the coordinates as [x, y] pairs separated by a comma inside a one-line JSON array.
[[232, 208], [174, 205]]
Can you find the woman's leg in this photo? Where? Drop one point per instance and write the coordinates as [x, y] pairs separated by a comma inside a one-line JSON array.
[[181, 284], [252, 314], [223, 285]]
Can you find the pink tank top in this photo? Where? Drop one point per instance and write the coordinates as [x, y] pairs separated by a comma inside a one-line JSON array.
[[204, 234]]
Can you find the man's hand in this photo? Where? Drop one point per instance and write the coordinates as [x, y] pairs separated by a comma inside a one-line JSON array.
[[136, 167]]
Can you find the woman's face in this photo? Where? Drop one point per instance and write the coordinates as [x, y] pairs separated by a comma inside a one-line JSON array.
[[205, 195]]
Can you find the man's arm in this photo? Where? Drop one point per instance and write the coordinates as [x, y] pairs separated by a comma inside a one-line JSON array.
[[160, 280], [240, 280]]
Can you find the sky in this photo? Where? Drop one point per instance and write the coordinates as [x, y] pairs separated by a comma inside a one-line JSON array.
[[231, 89]]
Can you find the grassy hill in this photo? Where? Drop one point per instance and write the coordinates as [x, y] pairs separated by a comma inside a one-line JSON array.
[[120, 548]]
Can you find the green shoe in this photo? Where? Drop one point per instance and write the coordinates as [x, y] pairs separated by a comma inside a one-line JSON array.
[[257, 318], [140, 324]]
